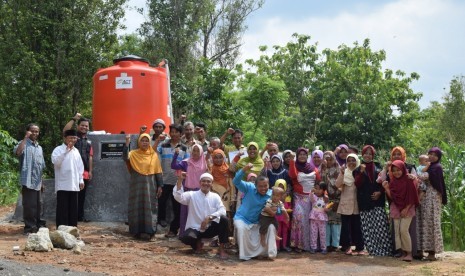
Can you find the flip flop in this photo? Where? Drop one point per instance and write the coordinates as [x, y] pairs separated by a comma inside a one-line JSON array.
[[222, 257]]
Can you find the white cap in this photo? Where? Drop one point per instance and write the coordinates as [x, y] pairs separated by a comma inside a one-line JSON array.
[[206, 175]]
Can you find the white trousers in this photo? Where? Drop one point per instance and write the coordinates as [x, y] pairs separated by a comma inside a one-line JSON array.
[[248, 240]]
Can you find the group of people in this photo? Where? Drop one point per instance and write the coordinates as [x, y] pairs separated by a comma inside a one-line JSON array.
[[303, 201], [73, 164]]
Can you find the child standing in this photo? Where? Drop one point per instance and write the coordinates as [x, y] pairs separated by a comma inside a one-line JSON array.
[[273, 207], [318, 217], [402, 191], [283, 224]]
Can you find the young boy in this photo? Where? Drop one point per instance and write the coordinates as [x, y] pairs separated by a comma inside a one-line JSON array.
[[273, 207]]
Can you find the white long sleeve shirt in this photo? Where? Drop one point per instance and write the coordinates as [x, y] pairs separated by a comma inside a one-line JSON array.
[[200, 206], [69, 169]]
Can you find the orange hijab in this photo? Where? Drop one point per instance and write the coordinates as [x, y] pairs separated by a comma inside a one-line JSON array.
[[145, 162], [402, 152], [220, 172]]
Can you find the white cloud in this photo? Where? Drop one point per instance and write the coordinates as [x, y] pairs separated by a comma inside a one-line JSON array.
[[418, 36]]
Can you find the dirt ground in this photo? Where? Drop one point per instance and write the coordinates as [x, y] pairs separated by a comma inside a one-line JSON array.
[[111, 250]]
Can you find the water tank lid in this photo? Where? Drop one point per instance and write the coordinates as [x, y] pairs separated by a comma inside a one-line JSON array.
[[130, 57]]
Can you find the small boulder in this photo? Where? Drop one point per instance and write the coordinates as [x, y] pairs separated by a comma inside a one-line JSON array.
[[77, 250], [63, 239], [39, 241], [73, 230]]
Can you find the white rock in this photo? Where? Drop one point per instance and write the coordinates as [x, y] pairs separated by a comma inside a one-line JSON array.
[[77, 250], [73, 230], [80, 243], [39, 241], [62, 239]]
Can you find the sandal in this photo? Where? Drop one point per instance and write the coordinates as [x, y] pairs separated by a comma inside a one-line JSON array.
[[170, 235], [349, 252], [361, 253]]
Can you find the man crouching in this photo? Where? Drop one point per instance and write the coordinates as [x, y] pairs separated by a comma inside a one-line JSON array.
[[206, 217]]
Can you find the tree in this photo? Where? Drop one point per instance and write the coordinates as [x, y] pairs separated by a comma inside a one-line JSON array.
[[358, 103], [221, 32], [340, 95], [296, 64], [453, 118], [425, 132], [264, 98], [183, 31], [49, 52]]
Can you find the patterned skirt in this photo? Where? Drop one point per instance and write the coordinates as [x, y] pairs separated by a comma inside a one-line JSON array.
[[300, 227], [142, 204], [375, 231], [429, 221]]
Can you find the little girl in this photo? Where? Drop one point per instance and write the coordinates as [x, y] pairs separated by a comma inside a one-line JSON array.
[[318, 217], [404, 197], [274, 207], [283, 224]]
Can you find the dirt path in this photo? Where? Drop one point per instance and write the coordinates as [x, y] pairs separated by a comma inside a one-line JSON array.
[[110, 249]]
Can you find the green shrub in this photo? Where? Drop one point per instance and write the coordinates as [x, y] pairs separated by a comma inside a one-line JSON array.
[[453, 215], [9, 187]]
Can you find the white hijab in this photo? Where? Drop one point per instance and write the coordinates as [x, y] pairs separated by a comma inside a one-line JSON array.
[[348, 177]]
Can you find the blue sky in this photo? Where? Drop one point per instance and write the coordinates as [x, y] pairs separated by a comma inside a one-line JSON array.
[[423, 36]]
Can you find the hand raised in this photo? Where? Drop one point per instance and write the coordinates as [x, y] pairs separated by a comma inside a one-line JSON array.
[[77, 116]]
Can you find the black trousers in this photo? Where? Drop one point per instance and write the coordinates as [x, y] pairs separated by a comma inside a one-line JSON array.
[[351, 232], [67, 208], [166, 196], [32, 207], [221, 229], [82, 200]]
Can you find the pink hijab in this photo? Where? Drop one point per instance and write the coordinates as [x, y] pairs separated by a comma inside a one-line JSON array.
[[195, 168]]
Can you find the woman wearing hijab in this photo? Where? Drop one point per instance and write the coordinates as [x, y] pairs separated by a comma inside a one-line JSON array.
[[351, 232], [286, 159], [303, 176], [402, 191], [398, 153], [146, 176], [429, 214], [341, 153], [222, 184], [329, 174], [194, 166], [252, 157], [316, 159], [277, 171], [371, 203]]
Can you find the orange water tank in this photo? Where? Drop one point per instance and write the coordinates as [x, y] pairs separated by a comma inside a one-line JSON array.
[[129, 94]]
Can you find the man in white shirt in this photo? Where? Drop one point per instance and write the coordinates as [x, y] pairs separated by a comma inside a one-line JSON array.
[[69, 181], [206, 217]]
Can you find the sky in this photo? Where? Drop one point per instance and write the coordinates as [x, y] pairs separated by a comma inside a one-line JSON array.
[[422, 36]]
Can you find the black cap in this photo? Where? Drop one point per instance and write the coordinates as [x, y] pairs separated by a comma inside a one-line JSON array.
[[70, 132]]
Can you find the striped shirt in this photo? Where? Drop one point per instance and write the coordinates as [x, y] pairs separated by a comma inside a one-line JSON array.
[[166, 153], [32, 164]]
